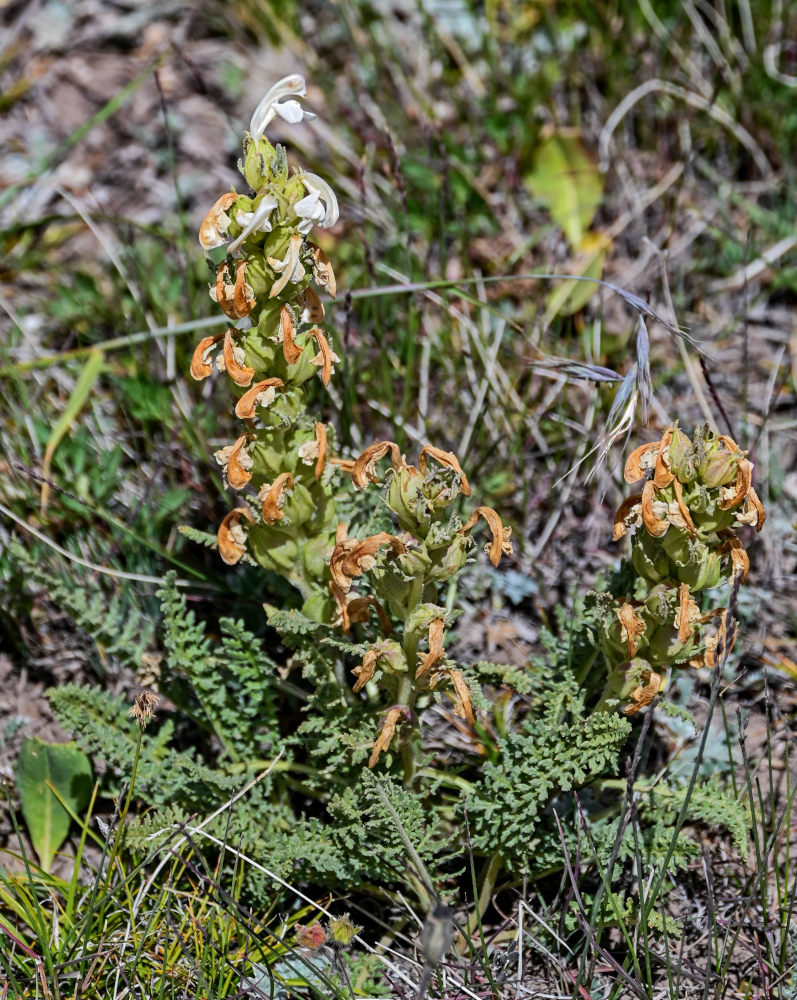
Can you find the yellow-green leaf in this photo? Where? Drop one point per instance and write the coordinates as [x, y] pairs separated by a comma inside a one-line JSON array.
[[49, 774], [74, 405], [566, 180]]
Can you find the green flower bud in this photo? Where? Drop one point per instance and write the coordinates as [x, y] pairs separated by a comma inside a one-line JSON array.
[[342, 930], [648, 559], [405, 497], [702, 572], [390, 657], [681, 455], [448, 561], [720, 468], [273, 547]]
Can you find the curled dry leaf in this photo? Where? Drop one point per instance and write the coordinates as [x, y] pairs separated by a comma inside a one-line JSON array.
[[447, 459], [363, 471], [501, 543], [290, 349], [352, 557], [630, 506], [631, 627], [662, 477], [261, 394], [463, 706], [683, 509], [323, 275], [233, 362], [201, 365], [656, 526], [313, 311], [359, 609], [740, 561], [273, 496], [435, 654], [244, 296], [326, 357], [239, 463], [388, 732], [366, 669], [733, 496], [213, 231], [683, 619], [645, 693], [231, 535], [641, 461]]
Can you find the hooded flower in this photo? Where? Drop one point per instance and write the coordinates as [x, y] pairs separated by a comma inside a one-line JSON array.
[[447, 459], [236, 462], [290, 267], [388, 732], [273, 497], [315, 450], [201, 364], [234, 365], [326, 359], [319, 207], [363, 471], [213, 231], [261, 394], [273, 105], [323, 275], [232, 536], [501, 544], [258, 221]]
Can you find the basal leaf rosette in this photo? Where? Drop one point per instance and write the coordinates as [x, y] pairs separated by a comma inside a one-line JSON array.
[[394, 581], [696, 494], [267, 276]]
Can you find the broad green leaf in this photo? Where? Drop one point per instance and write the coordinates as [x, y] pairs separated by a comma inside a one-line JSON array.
[[75, 404], [567, 181], [47, 773]]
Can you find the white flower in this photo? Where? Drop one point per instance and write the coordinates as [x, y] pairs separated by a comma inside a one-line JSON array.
[[271, 105], [254, 222], [290, 267], [320, 206]]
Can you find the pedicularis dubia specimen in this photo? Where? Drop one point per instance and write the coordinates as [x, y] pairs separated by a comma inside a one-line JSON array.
[[281, 464], [695, 494]]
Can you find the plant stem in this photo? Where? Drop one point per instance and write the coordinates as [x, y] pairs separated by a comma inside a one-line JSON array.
[[123, 814]]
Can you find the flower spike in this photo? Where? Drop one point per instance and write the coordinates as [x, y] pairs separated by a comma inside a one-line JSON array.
[[273, 105]]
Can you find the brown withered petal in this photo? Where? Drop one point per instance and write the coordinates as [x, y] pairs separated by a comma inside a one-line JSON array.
[[743, 485], [631, 627], [435, 654], [240, 374], [290, 349], [684, 624], [623, 511], [447, 459], [740, 561], [366, 669], [386, 736], [753, 501], [247, 405], [656, 527], [363, 471], [645, 693], [683, 509], [352, 557], [321, 441], [501, 544], [225, 290], [359, 609], [463, 706], [237, 474], [662, 477], [210, 232], [323, 274], [231, 537], [273, 497], [344, 464], [341, 603], [634, 469], [326, 357], [200, 368], [313, 311], [244, 297], [729, 443]]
